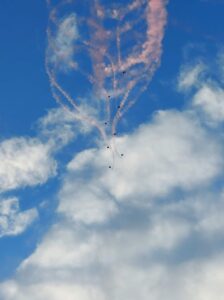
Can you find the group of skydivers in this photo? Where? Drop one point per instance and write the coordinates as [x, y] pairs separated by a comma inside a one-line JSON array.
[[108, 147]]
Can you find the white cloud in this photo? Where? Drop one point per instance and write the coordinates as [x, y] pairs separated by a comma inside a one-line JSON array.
[[88, 204], [190, 76], [111, 241], [162, 156], [51, 290], [12, 220], [210, 99], [59, 127], [208, 93], [122, 263], [196, 280], [63, 248], [24, 162], [159, 158], [28, 161]]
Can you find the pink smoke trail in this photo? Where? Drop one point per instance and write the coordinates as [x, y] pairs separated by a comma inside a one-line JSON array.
[[113, 51], [156, 20], [152, 48]]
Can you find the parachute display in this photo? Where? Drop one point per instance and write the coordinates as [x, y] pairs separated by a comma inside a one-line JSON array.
[[101, 56]]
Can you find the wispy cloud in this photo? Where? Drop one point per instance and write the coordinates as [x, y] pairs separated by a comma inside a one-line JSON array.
[[190, 76], [59, 127], [24, 162], [207, 95], [210, 100], [12, 220], [61, 46], [29, 162]]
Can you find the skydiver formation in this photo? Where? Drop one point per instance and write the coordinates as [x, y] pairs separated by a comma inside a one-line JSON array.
[[101, 56]]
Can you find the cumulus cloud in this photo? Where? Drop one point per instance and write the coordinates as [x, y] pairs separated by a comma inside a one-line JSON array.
[[89, 203], [164, 155], [159, 157], [24, 162], [12, 220], [149, 227], [52, 290], [125, 233]]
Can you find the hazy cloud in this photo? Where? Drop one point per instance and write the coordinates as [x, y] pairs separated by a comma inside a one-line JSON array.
[[208, 94], [190, 76], [210, 99], [61, 47], [12, 220]]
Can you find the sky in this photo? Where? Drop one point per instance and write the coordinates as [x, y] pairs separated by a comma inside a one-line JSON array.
[[111, 150]]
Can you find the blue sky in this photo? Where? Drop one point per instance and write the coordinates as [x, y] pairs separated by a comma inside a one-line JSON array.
[[70, 227]]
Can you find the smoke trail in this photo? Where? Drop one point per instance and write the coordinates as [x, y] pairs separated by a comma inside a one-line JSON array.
[[101, 57]]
